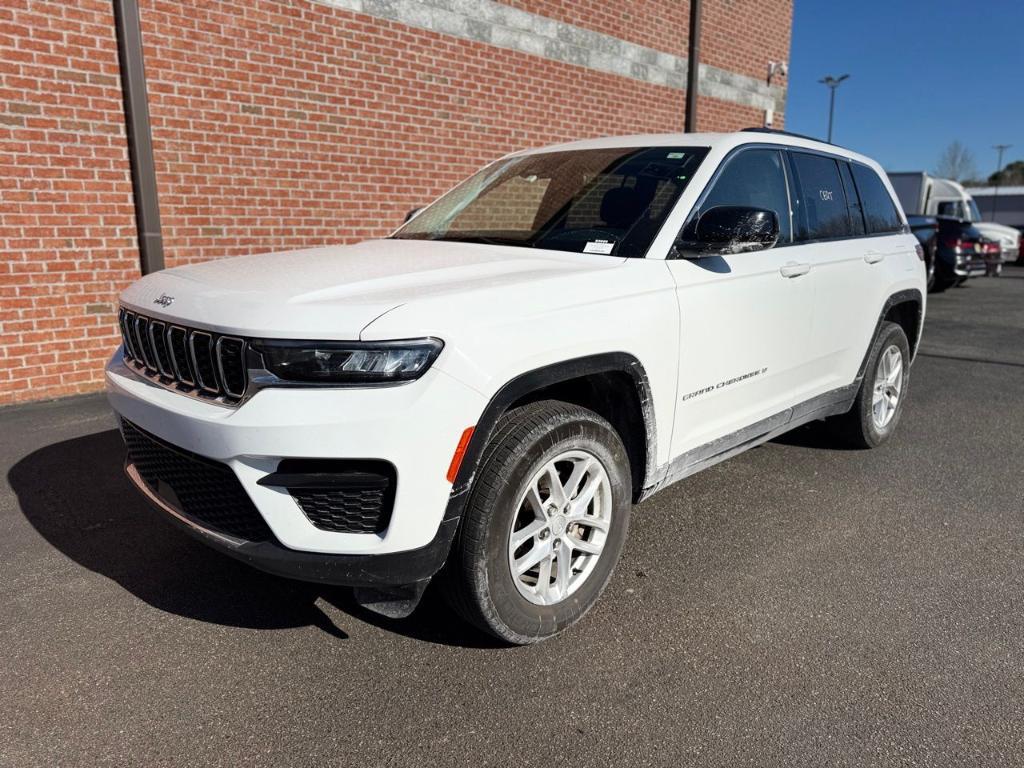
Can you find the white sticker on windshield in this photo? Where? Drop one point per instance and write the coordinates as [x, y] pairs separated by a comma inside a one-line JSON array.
[[676, 155], [599, 246]]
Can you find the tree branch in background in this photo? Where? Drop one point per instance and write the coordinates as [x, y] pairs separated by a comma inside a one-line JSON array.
[[956, 162], [1011, 175]]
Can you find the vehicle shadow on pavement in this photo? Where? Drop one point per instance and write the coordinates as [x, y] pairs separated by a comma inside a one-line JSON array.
[[75, 494], [813, 435]]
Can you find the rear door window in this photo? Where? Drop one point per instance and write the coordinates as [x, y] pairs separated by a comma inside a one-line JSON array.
[[880, 214], [822, 210]]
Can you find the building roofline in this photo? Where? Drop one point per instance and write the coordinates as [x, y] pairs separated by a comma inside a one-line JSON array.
[[986, 191]]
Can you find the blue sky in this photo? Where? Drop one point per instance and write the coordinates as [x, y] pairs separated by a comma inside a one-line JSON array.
[[921, 75]]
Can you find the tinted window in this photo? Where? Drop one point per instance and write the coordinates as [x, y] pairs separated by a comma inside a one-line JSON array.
[[822, 201], [880, 212], [951, 208], [753, 178], [853, 202]]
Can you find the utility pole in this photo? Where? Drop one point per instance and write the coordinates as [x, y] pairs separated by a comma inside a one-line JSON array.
[[1000, 148], [693, 67], [833, 84]]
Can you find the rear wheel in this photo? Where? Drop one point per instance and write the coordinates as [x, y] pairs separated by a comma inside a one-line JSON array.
[[545, 523], [879, 404]]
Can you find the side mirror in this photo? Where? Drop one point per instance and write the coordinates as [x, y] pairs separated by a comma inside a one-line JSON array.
[[728, 229], [411, 213]]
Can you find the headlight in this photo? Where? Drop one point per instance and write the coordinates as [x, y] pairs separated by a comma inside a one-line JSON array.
[[333, 362]]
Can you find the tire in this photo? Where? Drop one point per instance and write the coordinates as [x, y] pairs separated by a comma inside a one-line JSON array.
[[858, 427], [943, 278], [480, 584]]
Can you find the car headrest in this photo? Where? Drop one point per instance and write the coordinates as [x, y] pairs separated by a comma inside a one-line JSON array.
[[620, 207]]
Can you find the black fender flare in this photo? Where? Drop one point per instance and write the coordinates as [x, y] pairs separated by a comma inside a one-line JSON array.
[[910, 295], [537, 379]]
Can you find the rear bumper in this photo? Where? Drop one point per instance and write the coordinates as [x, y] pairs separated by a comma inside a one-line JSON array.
[[971, 268]]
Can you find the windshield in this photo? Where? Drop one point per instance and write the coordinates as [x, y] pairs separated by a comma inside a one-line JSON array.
[[954, 208], [601, 201], [975, 213]]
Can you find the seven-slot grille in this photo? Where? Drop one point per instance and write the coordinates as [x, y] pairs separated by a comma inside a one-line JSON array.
[[190, 360]]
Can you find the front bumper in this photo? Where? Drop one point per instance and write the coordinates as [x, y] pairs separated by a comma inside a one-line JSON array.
[[392, 569], [415, 427]]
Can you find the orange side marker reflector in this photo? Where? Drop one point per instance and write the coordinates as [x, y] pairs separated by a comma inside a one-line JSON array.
[[460, 452]]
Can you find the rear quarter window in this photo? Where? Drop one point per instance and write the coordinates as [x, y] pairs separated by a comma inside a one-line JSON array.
[[880, 214]]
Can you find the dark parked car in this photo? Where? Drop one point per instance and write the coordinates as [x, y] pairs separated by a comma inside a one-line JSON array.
[[926, 230], [959, 252]]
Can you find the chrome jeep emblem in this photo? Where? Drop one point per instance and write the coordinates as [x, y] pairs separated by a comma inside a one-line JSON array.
[[164, 300]]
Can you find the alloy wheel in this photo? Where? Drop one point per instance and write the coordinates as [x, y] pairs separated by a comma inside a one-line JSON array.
[[888, 386], [560, 527]]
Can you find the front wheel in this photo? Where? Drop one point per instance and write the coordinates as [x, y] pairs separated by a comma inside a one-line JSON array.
[[545, 523], [879, 403]]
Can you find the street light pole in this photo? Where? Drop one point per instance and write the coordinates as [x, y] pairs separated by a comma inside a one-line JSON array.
[[833, 84], [1000, 148]]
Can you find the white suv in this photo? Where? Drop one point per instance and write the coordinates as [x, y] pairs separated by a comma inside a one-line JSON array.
[[491, 388]]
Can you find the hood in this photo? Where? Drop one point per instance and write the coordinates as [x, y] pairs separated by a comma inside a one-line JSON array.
[[1006, 235], [336, 291]]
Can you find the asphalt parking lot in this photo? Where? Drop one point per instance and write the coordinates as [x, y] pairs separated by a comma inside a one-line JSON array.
[[796, 605]]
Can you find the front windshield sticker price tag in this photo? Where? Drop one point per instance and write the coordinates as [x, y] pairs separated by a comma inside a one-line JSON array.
[[599, 246]]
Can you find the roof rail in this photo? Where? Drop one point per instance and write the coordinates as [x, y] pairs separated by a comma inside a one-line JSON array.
[[784, 133]]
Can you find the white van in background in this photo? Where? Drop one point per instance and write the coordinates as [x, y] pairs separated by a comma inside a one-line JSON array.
[[921, 193]]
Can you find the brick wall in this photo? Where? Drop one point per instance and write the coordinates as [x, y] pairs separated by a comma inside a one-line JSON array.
[[281, 124], [660, 24], [67, 228], [744, 35]]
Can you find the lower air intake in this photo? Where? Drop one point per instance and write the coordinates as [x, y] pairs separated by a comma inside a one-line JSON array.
[[205, 491]]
